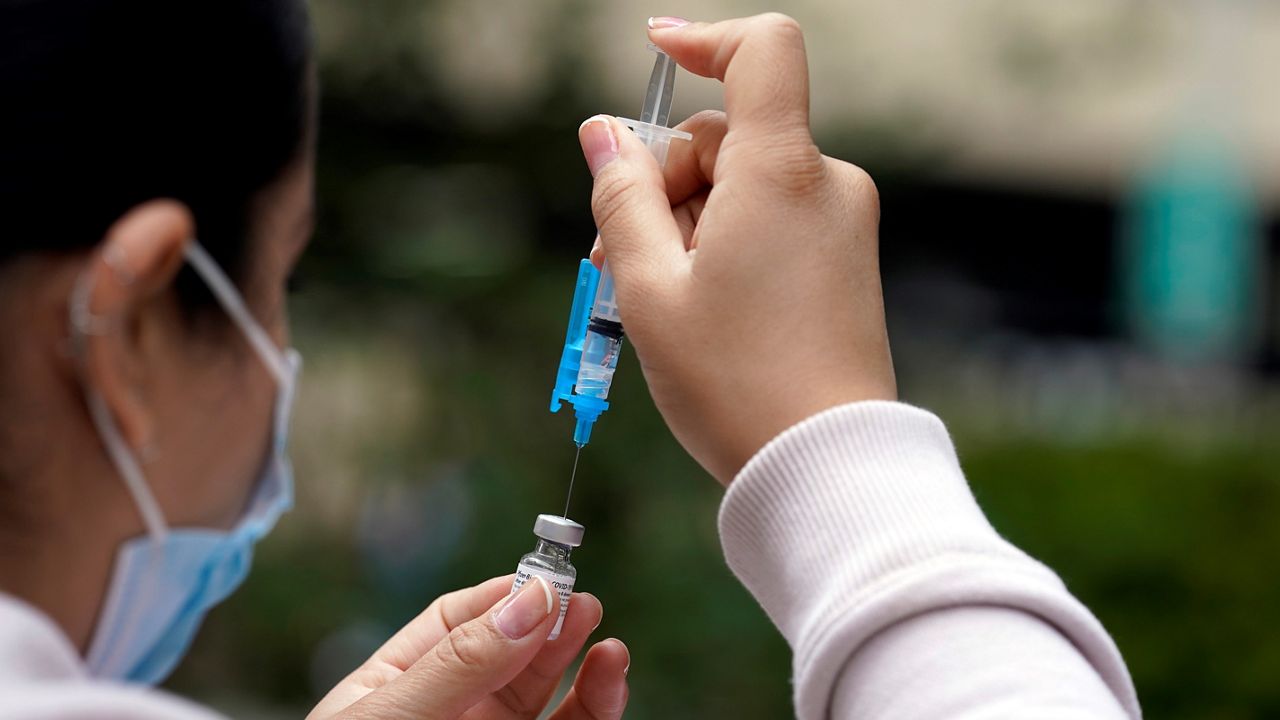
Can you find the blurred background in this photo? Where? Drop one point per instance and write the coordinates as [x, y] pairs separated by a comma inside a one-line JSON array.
[[1080, 255]]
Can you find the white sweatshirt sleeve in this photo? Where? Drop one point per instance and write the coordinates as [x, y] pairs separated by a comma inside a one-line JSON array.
[[858, 535]]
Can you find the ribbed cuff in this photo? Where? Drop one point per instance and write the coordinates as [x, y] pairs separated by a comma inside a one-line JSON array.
[[859, 517], [846, 496]]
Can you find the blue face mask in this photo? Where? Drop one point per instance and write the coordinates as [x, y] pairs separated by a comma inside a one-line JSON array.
[[164, 582]]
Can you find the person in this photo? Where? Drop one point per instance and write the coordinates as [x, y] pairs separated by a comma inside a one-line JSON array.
[[156, 164]]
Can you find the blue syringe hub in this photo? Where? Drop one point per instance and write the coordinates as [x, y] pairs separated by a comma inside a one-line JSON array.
[[585, 408]]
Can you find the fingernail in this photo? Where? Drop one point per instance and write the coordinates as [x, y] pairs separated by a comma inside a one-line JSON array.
[[598, 143], [595, 246], [525, 610], [593, 597], [666, 22], [627, 650]]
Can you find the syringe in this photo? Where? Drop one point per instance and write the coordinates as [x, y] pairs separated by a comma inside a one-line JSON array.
[[594, 339]]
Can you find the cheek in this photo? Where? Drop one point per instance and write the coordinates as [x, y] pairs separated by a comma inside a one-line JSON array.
[[215, 442]]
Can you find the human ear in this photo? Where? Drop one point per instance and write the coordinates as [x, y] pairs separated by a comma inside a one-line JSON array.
[[120, 310]]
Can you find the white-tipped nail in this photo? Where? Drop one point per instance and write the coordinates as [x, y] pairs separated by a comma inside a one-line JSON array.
[[520, 613], [597, 625]]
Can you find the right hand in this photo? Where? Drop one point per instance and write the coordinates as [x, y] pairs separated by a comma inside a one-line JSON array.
[[747, 272]]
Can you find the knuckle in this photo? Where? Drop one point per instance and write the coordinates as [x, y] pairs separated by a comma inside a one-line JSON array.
[[462, 648], [704, 118], [859, 184], [611, 196], [799, 167], [780, 25]]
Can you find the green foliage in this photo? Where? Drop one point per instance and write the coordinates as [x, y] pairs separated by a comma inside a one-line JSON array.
[[1174, 550]]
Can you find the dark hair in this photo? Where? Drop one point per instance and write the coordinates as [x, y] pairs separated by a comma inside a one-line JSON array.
[[109, 103]]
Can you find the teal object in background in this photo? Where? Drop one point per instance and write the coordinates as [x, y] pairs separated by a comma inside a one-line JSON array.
[[1192, 266]]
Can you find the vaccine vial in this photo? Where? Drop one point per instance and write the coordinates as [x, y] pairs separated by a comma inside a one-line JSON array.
[[557, 536]]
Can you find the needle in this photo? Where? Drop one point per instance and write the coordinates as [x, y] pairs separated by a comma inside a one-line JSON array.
[[572, 475]]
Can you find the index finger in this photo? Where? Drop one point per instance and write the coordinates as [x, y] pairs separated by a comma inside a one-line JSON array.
[[448, 611], [760, 59]]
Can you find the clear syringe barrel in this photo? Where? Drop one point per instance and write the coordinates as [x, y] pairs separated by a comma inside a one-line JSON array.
[[604, 331], [603, 344]]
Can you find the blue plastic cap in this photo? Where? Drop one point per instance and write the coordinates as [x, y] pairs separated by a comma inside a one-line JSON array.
[[587, 409], [582, 432]]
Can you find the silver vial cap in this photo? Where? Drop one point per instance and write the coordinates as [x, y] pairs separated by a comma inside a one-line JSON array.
[[559, 530]]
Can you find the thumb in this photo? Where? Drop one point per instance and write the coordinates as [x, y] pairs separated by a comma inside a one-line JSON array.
[[629, 200], [472, 661]]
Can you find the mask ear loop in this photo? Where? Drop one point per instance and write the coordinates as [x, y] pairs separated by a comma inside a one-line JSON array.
[[283, 365], [231, 301], [83, 324]]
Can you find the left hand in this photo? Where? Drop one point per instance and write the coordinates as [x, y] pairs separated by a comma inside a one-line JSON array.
[[454, 661]]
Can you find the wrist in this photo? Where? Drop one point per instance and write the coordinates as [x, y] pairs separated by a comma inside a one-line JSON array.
[[767, 426]]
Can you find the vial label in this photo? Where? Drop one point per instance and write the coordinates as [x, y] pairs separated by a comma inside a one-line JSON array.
[[562, 584]]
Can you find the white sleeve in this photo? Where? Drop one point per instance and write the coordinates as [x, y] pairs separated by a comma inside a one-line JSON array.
[[856, 532]]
